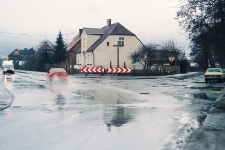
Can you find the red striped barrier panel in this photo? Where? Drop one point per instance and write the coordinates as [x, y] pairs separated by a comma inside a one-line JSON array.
[[91, 70], [119, 70]]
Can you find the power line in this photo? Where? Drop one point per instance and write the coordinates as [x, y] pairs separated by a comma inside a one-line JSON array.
[[15, 44], [34, 34]]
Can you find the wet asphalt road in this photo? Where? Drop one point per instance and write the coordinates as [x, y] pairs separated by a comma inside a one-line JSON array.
[[102, 113]]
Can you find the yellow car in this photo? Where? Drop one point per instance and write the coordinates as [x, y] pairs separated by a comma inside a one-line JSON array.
[[214, 74]]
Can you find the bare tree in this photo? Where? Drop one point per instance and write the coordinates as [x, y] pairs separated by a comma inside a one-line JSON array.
[[143, 54], [43, 42], [171, 45]]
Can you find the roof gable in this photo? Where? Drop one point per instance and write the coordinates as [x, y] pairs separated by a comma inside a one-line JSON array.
[[45, 46], [114, 29], [120, 30]]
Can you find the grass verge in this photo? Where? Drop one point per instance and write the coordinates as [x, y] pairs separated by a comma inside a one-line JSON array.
[[220, 104]]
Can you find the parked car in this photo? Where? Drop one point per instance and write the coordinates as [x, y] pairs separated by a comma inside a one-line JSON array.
[[8, 69], [57, 74], [214, 74]]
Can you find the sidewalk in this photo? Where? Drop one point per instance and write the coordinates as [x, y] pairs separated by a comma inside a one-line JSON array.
[[211, 135], [6, 98]]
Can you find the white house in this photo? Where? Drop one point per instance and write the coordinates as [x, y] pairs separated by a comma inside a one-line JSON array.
[[112, 43]]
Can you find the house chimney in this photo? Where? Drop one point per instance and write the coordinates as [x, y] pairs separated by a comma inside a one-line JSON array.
[[80, 31], [108, 22]]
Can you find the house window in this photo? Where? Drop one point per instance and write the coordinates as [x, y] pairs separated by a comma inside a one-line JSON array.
[[91, 59], [84, 43], [121, 41], [107, 43]]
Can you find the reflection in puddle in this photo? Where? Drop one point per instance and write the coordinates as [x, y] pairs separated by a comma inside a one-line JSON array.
[[9, 81], [211, 94], [57, 103], [214, 92], [60, 100], [112, 102], [117, 116]]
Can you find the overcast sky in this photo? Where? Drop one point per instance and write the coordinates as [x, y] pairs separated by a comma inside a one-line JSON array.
[[25, 23]]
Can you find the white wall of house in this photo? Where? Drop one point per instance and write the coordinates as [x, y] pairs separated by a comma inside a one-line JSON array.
[[104, 53], [86, 42], [78, 59]]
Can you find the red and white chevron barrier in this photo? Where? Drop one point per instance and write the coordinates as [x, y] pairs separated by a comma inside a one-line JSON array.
[[92, 70], [119, 70]]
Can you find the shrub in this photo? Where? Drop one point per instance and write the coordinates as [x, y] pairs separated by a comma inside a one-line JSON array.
[[184, 65]]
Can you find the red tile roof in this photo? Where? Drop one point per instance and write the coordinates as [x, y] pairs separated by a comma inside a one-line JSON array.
[[45, 46], [75, 40]]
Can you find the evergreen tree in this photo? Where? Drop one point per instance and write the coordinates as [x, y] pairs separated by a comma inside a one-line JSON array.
[[60, 50]]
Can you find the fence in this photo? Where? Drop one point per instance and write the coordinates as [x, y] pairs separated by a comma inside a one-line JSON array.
[[137, 70]]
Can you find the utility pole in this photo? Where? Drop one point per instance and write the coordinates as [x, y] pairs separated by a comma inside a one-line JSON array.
[[118, 45]]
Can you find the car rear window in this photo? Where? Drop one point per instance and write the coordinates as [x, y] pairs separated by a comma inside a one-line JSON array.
[[57, 70], [213, 70]]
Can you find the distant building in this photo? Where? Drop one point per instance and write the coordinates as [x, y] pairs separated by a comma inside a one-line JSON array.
[[160, 57], [44, 48], [21, 55]]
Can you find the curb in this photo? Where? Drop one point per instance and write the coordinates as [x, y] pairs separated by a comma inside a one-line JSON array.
[[218, 99], [6, 98]]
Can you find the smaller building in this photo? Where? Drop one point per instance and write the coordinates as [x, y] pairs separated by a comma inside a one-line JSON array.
[[160, 57], [26, 54], [44, 48], [21, 55], [73, 48]]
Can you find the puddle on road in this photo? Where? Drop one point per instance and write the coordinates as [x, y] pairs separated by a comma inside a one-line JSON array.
[[145, 78], [212, 93], [144, 93], [117, 116]]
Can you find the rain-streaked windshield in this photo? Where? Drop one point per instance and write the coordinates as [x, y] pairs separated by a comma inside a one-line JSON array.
[[213, 70], [8, 66]]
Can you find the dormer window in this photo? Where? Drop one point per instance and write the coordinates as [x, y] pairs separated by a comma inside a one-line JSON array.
[[121, 41]]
